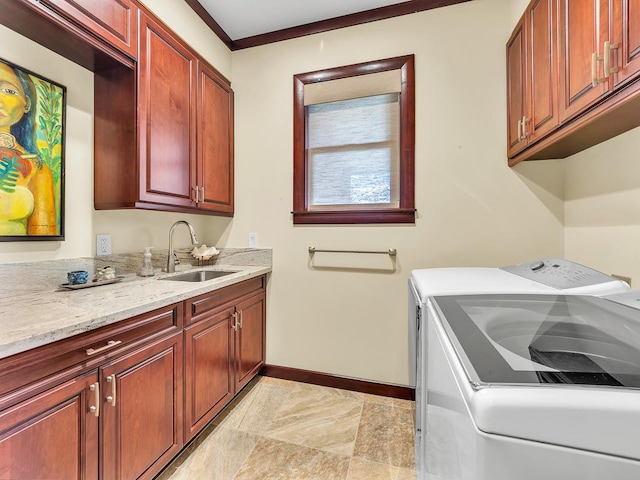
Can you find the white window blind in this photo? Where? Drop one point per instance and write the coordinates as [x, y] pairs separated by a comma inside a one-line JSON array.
[[353, 153]]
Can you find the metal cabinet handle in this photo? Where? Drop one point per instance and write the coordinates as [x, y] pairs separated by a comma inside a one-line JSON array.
[[519, 130], [197, 195], [240, 316], [525, 134], [594, 70], [110, 344], [112, 398], [606, 59], [235, 321], [202, 194], [608, 46], [95, 409]]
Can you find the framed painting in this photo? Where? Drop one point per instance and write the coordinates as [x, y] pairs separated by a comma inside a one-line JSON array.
[[32, 132]]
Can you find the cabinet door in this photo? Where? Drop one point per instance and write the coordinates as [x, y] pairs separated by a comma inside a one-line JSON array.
[[542, 79], [52, 436], [215, 141], [115, 21], [516, 90], [250, 339], [142, 410], [626, 25], [583, 29], [209, 380], [166, 117]]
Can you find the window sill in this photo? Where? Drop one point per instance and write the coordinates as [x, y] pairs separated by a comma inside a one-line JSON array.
[[396, 215]]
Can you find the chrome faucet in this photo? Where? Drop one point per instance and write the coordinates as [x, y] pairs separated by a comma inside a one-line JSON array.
[[171, 258]]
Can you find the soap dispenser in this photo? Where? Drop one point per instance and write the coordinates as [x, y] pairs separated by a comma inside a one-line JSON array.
[[147, 267]]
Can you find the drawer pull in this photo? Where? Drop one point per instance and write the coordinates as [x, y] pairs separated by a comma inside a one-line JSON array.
[[110, 344], [112, 398], [95, 409]]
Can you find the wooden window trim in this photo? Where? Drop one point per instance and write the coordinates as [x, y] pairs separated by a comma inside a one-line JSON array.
[[405, 213]]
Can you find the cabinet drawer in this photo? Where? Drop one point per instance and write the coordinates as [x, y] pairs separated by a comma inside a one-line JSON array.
[[204, 304], [71, 356]]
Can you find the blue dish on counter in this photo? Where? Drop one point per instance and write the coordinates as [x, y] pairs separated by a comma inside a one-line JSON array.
[[78, 277]]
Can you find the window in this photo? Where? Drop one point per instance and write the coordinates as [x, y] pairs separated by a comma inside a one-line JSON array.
[[354, 144]]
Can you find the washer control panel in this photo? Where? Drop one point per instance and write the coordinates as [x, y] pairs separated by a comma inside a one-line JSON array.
[[559, 273]]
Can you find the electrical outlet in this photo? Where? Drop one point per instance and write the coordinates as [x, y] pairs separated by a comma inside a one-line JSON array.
[[103, 244], [253, 240]]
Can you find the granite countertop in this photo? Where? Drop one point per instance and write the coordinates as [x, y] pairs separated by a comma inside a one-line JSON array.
[[37, 311]]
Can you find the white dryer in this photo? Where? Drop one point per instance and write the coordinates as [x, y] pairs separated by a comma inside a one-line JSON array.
[[447, 432]]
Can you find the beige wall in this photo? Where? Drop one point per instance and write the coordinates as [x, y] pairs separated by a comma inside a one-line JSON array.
[[348, 318], [602, 207], [472, 208]]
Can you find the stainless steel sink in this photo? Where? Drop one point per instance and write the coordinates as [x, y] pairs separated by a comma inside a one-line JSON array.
[[197, 275]]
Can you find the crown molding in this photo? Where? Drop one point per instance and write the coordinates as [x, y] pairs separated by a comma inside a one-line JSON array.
[[390, 11]]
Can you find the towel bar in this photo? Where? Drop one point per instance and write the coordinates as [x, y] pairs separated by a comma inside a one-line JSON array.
[[391, 252]]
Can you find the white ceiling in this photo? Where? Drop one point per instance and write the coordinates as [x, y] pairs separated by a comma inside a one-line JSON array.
[[246, 18]]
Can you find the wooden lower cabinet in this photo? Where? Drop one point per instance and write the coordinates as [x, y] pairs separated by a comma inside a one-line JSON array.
[[209, 379], [138, 402], [142, 410], [250, 339], [54, 435], [120, 402], [224, 348]]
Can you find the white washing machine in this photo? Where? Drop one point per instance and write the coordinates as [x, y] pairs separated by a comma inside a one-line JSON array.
[[459, 414]]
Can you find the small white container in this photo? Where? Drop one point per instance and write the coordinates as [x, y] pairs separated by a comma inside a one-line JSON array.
[[147, 267]]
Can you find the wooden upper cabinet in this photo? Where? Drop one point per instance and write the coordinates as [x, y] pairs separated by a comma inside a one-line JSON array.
[[215, 141], [166, 116], [584, 27], [542, 72], [115, 21], [626, 37], [179, 126], [516, 89], [532, 91], [581, 64]]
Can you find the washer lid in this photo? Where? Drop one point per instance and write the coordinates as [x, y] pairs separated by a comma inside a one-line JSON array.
[[543, 339], [472, 280]]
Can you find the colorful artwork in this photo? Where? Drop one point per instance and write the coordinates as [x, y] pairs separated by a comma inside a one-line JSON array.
[[32, 112]]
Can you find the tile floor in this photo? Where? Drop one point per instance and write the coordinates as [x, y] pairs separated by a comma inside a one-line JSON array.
[[278, 429]]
